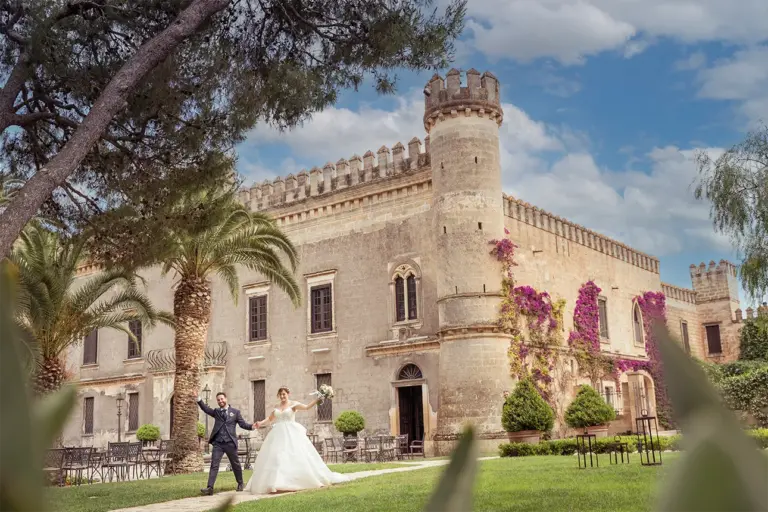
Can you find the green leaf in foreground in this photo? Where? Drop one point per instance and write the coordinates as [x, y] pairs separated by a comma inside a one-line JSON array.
[[721, 468], [454, 491]]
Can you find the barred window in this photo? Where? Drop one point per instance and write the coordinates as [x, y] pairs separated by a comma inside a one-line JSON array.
[[602, 305], [88, 415], [259, 400], [133, 412], [324, 410], [412, 311], [322, 309]]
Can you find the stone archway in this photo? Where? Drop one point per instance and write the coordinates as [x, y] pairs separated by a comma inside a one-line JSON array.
[[410, 394]]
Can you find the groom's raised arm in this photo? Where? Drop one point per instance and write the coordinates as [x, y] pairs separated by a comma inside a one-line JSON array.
[[207, 410]]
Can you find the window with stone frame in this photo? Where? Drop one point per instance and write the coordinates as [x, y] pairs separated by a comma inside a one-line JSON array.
[[637, 325], [88, 415], [134, 346], [602, 306], [714, 343], [325, 409], [91, 347], [684, 336], [133, 412], [321, 314], [257, 318], [406, 294]]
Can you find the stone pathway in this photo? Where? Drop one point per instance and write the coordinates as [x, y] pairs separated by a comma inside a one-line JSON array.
[[204, 503]]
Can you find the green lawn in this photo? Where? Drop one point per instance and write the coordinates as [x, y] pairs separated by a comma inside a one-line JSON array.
[[110, 496], [539, 484]]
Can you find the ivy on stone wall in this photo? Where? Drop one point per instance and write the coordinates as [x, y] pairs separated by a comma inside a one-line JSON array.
[[654, 308], [584, 339], [533, 320]]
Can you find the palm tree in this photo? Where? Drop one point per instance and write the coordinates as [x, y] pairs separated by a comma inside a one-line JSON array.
[[55, 312], [219, 236]]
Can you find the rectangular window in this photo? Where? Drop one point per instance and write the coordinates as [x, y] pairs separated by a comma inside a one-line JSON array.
[[259, 400], [713, 339], [324, 410], [133, 412], [322, 309], [602, 305], [134, 346], [257, 318], [684, 335], [91, 347], [88, 415]]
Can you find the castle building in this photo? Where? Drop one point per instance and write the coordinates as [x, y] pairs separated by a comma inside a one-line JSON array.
[[401, 296]]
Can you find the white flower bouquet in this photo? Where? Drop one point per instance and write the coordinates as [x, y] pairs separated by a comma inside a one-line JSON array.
[[324, 393]]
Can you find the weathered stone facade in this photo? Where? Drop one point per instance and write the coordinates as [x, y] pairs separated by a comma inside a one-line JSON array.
[[366, 228]]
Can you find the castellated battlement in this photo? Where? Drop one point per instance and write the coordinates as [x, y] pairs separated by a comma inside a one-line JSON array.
[[331, 178], [530, 214], [678, 293], [447, 97], [715, 282], [751, 313]]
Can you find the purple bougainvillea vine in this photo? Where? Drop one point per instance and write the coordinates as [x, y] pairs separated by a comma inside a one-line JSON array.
[[584, 339]]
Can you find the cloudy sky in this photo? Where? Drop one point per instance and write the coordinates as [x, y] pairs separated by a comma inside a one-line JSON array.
[[605, 102]]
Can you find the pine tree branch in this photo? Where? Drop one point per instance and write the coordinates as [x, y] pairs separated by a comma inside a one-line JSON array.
[[114, 98]]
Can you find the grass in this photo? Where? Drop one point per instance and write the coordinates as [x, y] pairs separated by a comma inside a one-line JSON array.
[[110, 496], [509, 485]]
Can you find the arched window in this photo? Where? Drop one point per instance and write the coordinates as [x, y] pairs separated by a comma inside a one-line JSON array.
[[637, 324], [406, 294], [410, 372]]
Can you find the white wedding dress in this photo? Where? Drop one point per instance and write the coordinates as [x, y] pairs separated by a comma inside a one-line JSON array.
[[288, 461]]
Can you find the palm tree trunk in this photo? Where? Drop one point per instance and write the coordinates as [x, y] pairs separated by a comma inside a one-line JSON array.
[[192, 310]]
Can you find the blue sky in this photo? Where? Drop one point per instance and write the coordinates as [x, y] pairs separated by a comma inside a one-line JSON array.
[[605, 103]]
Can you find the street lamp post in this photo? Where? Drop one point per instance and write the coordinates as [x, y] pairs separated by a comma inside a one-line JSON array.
[[119, 399], [206, 396]]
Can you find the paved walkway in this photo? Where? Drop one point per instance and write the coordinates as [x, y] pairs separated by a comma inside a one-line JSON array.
[[204, 503]]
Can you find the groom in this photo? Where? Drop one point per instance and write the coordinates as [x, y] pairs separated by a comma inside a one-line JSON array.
[[224, 439]]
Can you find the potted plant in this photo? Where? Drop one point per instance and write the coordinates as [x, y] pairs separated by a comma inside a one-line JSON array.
[[525, 415], [590, 412], [148, 434], [349, 423]]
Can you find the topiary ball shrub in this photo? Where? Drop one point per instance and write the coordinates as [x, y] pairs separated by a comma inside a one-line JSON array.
[[524, 409], [148, 433], [588, 409], [200, 429], [349, 423]]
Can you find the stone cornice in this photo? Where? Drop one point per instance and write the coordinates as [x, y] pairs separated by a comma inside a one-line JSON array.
[[394, 348], [113, 379]]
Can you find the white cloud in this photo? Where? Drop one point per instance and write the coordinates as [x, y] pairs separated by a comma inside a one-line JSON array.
[[694, 61], [552, 167], [571, 30], [742, 78]]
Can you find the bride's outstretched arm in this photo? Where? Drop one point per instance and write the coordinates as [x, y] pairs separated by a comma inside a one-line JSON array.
[[301, 407], [267, 421]]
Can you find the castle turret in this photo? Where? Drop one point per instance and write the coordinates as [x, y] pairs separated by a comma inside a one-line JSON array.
[[717, 304], [463, 127]]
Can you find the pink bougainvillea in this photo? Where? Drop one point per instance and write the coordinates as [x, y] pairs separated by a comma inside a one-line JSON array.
[[586, 319]]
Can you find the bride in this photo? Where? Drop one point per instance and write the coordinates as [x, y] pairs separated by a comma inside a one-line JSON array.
[[288, 461]]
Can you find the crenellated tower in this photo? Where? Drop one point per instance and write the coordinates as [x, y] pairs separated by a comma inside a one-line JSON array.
[[463, 126]]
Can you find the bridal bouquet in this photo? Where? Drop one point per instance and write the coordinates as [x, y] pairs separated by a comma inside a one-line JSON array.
[[324, 393]]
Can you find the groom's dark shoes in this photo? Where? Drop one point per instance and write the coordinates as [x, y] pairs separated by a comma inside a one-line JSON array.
[[239, 487], [207, 491]]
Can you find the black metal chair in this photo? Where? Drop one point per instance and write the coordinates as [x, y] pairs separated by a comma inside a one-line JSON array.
[[76, 462], [54, 465]]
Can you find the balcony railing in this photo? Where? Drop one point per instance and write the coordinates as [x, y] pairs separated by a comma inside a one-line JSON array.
[[164, 359]]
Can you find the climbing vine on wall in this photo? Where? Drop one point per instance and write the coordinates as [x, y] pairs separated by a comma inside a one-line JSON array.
[[584, 339], [533, 320]]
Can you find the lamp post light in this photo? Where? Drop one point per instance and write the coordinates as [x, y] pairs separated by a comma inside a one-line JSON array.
[[206, 396], [119, 400]]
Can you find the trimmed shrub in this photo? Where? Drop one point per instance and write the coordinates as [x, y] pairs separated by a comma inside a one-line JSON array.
[[602, 446], [754, 339], [588, 409], [526, 410], [200, 429], [148, 433], [349, 422]]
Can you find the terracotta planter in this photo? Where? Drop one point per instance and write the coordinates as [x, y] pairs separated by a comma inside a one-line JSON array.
[[525, 436], [598, 431]]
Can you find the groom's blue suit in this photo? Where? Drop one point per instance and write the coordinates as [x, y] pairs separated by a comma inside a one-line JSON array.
[[224, 440]]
